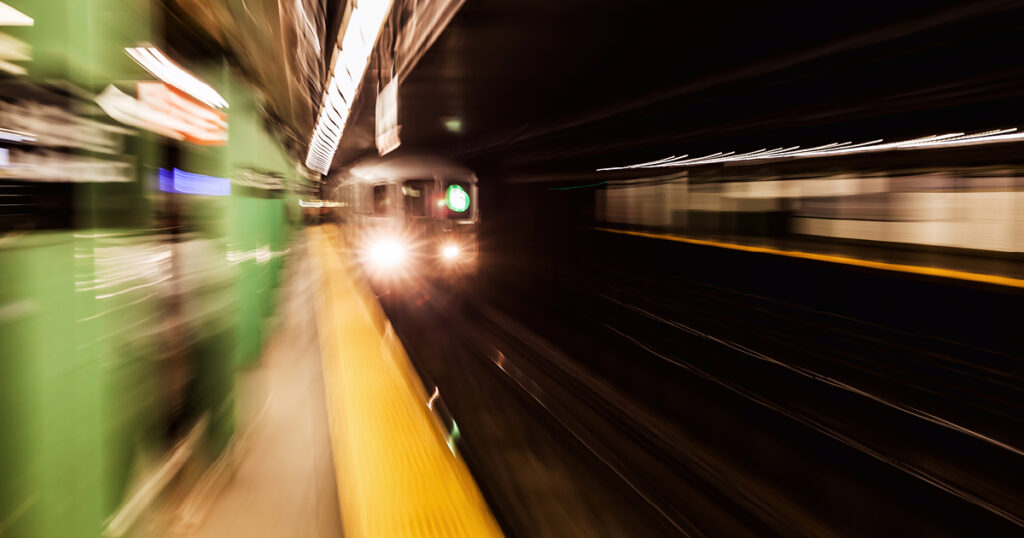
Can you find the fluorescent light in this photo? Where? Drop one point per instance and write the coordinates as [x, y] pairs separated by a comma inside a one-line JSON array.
[[364, 25], [12, 17], [836, 148], [163, 68], [16, 136]]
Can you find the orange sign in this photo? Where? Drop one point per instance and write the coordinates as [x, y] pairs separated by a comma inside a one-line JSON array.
[[164, 108]]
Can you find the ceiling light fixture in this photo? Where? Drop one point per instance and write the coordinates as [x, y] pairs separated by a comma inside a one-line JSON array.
[[10, 16], [364, 26], [163, 68]]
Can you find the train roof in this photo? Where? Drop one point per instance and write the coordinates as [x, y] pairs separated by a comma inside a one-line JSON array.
[[407, 167]]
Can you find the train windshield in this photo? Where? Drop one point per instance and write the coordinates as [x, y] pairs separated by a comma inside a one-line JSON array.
[[416, 193], [381, 200]]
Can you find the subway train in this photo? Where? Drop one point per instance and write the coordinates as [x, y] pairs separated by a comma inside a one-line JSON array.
[[410, 217]]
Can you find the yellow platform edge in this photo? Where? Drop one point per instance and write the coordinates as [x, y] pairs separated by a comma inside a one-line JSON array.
[[885, 266], [396, 474]]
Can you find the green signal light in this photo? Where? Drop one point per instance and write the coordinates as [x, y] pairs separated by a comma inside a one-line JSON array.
[[457, 198]]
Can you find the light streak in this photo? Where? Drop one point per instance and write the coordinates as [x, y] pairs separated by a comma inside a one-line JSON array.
[[946, 140]]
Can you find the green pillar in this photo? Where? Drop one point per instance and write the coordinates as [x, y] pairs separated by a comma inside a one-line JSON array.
[[215, 344], [76, 398]]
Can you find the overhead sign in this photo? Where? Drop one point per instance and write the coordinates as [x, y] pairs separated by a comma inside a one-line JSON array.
[[172, 109], [387, 118], [165, 110]]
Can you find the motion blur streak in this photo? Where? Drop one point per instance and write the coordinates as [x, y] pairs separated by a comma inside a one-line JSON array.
[[538, 269], [816, 376], [141, 252], [164, 69], [678, 521], [820, 427], [837, 148], [351, 60], [936, 206]]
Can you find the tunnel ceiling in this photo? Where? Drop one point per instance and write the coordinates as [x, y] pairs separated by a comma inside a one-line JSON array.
[[574, 85], [279, 45]]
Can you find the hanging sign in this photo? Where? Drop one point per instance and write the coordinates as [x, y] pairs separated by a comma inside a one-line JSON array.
[[387, 118]]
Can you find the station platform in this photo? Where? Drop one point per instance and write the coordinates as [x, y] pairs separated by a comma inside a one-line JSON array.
[[399, 472], [1003, 269], [277, 479], [336, 436]]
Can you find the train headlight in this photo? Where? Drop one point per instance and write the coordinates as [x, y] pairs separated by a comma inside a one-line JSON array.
[[450, 252], [387, 253]]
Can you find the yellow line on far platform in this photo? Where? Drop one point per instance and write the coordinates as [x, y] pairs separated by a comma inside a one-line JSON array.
[[885, 266]]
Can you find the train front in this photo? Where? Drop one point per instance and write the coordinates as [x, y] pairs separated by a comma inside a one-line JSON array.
[[419, 225]]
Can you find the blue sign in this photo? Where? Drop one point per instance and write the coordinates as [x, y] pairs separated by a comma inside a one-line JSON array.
[[181, 182]]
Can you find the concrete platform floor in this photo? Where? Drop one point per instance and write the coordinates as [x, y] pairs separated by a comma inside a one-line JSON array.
[[282, 482]]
